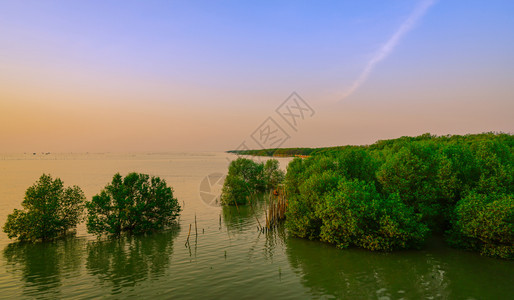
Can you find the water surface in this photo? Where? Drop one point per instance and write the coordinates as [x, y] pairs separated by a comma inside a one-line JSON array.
[[228, 258]]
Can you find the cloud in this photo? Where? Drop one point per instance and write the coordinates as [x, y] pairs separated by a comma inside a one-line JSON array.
[[389, 46]]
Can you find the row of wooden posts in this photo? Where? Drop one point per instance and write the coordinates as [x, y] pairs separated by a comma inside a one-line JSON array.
[[275, 210]]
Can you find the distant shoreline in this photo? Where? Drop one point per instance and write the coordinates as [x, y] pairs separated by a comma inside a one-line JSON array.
[[307, 152]]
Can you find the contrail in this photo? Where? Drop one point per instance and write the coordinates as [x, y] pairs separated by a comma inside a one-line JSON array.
[[389, 46]]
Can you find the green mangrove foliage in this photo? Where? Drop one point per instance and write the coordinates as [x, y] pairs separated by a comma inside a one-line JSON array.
[[50, 211], [485, 223], [272, 174], [247, 177], [391, 194], [356, 214], [137, 203]]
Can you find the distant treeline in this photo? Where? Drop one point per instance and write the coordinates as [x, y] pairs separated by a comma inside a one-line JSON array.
[[379, 145], [276, 152], [290, 152]]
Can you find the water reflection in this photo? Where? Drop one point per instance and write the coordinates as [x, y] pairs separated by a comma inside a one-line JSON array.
[[437, 271], [275, 238], [43, 265], [239, 219], [128, 260]]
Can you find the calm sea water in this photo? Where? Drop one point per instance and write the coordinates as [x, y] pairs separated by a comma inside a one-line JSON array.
[[228, 258]]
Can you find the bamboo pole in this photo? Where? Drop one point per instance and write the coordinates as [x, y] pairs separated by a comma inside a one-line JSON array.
[[266, 214]]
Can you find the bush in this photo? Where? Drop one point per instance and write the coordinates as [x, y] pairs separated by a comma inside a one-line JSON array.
[[356, 163], [50, 211], [356, 214], [496, 164], [301, 218], [136, 203], [246, 177], [411, 173], [485, 223]]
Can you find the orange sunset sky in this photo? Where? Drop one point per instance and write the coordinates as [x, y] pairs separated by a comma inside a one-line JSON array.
[[96, 76]]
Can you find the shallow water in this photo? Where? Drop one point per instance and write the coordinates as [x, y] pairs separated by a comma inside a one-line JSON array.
[[228, 258]]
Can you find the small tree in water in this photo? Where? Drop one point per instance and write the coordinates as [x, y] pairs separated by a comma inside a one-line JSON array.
[[50, 211], [137, 203], [246, 177], [273, 176]]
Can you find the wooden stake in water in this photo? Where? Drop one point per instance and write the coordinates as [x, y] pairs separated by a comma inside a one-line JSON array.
[[187, 241], [236, 206], [196, 229], [266, 214]]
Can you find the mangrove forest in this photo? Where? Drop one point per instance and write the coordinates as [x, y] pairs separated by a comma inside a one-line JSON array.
[[395, 193]]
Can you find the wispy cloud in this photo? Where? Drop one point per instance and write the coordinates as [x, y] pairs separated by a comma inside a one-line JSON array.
[[389, 46]]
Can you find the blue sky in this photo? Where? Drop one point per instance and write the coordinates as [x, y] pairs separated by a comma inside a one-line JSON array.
[[180, 75]]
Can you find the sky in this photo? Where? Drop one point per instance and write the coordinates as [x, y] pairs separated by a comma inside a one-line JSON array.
[[163, 76]]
